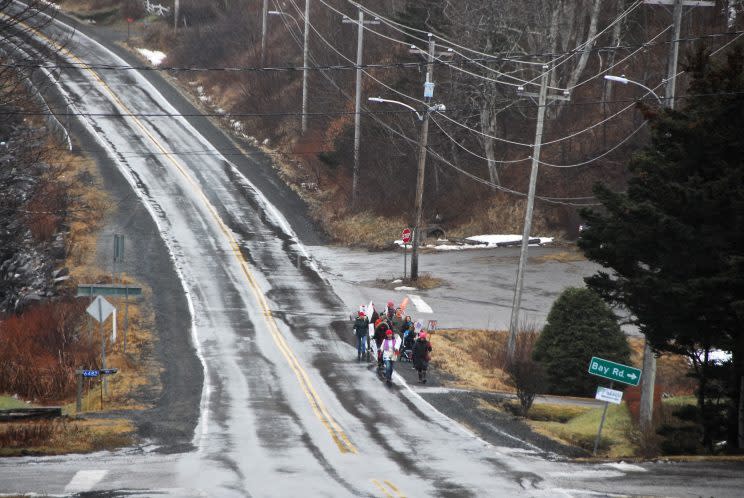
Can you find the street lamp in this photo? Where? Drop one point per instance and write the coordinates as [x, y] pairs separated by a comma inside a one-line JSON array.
[[303, 118], [423, 137], [625, 81], [649, 360]]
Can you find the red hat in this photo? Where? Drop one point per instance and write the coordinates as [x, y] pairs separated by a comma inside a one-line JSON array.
[[389, 332], [361, 314]]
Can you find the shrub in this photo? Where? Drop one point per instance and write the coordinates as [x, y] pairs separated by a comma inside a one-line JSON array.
[[42, 348], [524, 374], [580, 325]]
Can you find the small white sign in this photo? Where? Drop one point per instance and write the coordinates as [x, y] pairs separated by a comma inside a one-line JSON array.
[[609, 395], [100, 309]]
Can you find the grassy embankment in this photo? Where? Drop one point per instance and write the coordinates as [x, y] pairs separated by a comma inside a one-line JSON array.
[[84, 431], [469, 358]]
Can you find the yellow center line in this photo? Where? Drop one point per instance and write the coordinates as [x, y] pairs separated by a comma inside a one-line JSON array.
[[381, 488], [395, 489], [318, 407]]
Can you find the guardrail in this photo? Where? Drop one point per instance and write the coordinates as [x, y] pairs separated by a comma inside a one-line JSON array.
[[30, 413]]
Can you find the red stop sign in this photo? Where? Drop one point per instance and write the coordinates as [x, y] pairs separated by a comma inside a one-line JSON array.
[[406, 235]]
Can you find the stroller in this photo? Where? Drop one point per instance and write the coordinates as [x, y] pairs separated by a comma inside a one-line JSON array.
[[406, 350]]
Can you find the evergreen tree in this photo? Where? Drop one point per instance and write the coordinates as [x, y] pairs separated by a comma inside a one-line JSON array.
[[580, 325], [674, 241]]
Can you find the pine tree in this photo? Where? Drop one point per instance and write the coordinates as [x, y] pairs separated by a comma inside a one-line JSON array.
[[674, 240], [580, 325]]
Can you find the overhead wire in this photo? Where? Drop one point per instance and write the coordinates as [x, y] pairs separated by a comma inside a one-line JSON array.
[[438, 59], [429, 150]]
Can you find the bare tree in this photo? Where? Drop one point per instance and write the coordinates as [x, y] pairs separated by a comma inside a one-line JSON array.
[[535, 30], [526, 375]]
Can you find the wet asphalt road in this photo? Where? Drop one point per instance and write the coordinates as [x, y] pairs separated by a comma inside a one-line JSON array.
[[282, 411]]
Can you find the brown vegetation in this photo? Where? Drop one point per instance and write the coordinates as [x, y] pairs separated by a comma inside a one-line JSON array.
[[52, 437], [42, 348]]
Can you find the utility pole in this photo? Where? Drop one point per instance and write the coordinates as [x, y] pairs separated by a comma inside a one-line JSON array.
[[176, 8], [648, 380], [357, 99], [304, 67], [671, 79], [423, 140], [517, 302], [264, 15]]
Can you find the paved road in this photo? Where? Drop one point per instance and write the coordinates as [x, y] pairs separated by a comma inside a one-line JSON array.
[[477, 284], [282, 411]]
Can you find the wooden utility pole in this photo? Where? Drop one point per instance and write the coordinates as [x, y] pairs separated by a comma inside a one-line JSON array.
[[303, 121], [423, 140], [517, 301], [648, 380], [360, 22], [264, 16]]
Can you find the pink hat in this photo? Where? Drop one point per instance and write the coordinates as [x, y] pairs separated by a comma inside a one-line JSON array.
[[361, 314], [422, 335], [391, 304], [389, 332]]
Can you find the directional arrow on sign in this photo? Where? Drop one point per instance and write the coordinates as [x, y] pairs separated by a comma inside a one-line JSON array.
[[614, 371]]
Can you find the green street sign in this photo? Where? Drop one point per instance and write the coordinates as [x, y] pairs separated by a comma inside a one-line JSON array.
[[108, 290], [614, 371]]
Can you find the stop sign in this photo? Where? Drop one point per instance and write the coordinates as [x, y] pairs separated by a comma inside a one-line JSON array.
[[406, 235]]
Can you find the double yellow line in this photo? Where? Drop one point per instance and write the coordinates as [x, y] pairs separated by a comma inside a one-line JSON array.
[[321, 412], [387, 487], [337, 434]]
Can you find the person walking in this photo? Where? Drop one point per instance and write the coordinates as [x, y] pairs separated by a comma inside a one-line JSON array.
[[422, 356], [381, 329], [390, 351], [361, 330]]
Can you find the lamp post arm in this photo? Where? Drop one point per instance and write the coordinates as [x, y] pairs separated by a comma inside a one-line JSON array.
[[379, 99], [625, 81]]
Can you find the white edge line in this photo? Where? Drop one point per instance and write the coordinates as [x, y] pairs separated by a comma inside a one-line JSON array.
[[206, 388]]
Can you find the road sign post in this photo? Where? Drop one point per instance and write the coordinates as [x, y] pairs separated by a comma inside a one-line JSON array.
[[81, 374], [100, 309], [601, 424], [112, 290], [406, 236], [615, 372]]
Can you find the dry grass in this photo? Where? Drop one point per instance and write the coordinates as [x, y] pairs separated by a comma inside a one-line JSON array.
[[581, 431], [54, 437], [467, 356], [366, 230], [503, 214], [561, 257]]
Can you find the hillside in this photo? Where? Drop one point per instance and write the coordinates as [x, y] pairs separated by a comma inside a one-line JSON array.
[[479, 150]]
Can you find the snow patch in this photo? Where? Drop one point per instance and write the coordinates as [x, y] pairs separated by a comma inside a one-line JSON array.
[[404, 288], [155, 57], [625, 467], [485, 242]]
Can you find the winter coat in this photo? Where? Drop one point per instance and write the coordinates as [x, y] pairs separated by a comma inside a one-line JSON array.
[[380, 331], [390, 346], [421, 354], [361, 326]]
